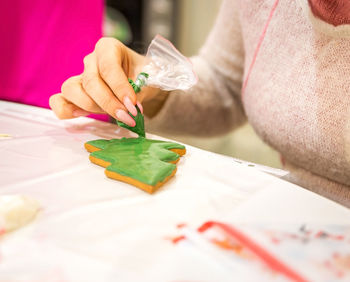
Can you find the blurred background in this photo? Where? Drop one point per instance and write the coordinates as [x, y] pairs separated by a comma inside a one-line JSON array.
[[186, 23]]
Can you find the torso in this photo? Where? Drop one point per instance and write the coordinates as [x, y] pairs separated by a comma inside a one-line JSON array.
[[297, 96]]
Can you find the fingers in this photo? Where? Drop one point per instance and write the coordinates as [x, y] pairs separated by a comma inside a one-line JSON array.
[[65, 109], [103, 86], [99, 92], [113, 61], [73, 91], [140, 106]]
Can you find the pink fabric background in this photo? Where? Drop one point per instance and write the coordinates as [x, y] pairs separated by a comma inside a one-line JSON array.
[[43, 42]]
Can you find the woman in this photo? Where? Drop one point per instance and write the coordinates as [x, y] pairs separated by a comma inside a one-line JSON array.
[[283, 65]]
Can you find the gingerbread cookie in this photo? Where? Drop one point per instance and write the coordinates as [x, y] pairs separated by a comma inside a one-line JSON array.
[[144, 163]]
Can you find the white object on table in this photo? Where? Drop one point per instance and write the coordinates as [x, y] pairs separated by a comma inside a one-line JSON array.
[[16, 211], [92, 228]]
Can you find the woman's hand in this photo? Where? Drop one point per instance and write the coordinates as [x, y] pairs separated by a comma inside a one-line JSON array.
[[103, 87]]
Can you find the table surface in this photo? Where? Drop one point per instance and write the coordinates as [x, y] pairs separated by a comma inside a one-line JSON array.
[[91, 228]]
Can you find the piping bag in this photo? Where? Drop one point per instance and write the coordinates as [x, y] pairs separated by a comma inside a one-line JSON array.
[[166, 68]]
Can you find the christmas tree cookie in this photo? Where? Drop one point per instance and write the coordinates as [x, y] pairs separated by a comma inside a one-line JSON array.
[[142, 162]]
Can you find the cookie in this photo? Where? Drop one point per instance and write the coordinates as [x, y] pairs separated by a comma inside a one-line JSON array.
[[144, 163]]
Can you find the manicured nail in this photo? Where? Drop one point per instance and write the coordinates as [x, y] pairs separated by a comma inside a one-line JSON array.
[[130, 106], [140, 106], [125, 117], [80, 113]]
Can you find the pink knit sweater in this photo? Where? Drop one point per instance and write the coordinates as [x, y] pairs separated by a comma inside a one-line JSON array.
[[287, 72]]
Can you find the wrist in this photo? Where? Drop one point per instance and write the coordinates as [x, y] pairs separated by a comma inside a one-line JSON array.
[[154, 101]]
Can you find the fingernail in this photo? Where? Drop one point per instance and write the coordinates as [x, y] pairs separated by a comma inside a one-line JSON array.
[[140, 106], [80, 113], [130, 106], [125, 117]]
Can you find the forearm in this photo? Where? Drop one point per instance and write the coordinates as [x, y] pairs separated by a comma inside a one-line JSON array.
[[153, 106]]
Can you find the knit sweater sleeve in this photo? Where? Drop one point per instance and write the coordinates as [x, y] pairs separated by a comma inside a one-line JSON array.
[[213, 106]]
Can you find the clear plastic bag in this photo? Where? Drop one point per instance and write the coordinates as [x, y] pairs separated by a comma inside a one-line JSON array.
[[167, 68]]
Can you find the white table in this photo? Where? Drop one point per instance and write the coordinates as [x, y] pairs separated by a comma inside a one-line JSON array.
[[92, 228]]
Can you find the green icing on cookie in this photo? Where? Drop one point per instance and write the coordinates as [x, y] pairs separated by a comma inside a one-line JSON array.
[[142, 159], [139, 128]]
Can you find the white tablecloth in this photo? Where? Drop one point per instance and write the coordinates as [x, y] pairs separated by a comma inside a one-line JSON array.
[[92, 228]]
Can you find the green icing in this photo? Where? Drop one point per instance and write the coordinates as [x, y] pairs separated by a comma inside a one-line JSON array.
[[139, 128], [142, 159]]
